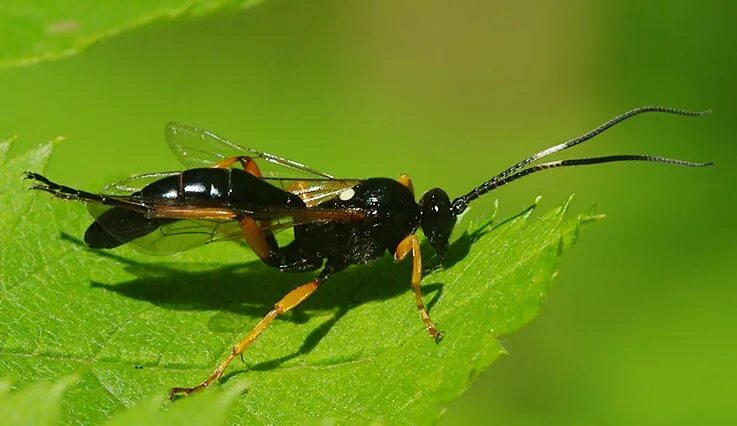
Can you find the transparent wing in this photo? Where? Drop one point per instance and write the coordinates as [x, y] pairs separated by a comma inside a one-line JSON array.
[[169, 236], [121, 223], [315, 191], [179, 235], [301, 215], [129, 225], [172, 234], [128, 221], [196, 147], [135, 183], [158, 236]]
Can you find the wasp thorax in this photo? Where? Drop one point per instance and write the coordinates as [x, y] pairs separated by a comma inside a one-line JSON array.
[[437, 219]]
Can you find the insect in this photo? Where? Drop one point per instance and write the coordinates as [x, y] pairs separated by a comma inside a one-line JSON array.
[[223, 195]]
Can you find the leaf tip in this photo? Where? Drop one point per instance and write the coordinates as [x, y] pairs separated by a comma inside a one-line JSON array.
[[567, 204], [9, 140], [591, 215], [592, 218], [44, 150], [5, 147], [55, 141]]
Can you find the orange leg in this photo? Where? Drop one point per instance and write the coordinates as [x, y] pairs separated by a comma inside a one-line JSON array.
[[292, 299], [247, 163], [255, 238], [406, 181], [252, 231], [412, 244]]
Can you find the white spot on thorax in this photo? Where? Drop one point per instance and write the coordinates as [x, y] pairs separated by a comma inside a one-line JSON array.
[[347, 194]]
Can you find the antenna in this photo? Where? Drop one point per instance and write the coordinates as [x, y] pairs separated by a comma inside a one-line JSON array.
[[518, 170]]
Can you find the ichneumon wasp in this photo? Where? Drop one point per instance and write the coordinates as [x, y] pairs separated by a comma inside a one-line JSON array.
[[336, 222]]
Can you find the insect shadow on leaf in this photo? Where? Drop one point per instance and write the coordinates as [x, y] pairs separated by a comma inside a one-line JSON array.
[[246, 290]]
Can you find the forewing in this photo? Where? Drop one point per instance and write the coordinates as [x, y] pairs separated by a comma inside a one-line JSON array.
[[274, 220], [303, 215], [135, 183], [196, 147], [129, 225], [160, 236], [179, 235], [172, 234], [316, 191], [123, 190], [164, 236]]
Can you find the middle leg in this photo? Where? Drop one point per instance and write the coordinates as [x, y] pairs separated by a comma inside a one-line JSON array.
[[406, 181], [248, 164], [258, 234]]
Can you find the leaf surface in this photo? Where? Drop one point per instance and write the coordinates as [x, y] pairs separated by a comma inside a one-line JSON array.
[[130, 326], [37, 30]]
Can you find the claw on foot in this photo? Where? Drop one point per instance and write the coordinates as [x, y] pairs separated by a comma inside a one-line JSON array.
[[176, 393], [436, 335]]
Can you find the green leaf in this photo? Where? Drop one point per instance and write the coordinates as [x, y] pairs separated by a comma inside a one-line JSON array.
[[38, 404], [4, 147], [35, 30], [211, 407], [130, 326]]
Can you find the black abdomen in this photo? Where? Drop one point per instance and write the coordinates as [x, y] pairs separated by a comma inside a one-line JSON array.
[[203, 187], [211, 186]]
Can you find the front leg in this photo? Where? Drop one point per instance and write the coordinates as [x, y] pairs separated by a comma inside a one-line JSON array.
[[412, 244]]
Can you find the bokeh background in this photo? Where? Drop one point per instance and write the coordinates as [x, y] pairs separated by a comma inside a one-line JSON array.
[[640, 327]]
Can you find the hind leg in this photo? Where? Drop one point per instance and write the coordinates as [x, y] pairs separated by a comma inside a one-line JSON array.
[[288, 302]]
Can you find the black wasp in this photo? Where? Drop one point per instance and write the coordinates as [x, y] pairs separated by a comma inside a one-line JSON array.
[[336, 222]]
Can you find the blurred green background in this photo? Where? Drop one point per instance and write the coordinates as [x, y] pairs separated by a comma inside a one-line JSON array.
[[640, 326]]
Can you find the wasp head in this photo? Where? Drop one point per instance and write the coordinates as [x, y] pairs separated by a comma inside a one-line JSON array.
[[437, 219]]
